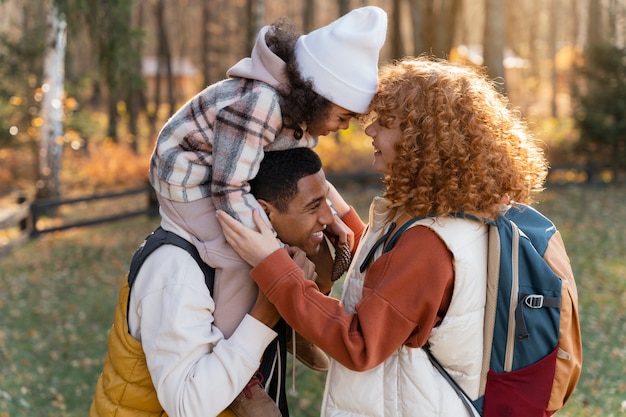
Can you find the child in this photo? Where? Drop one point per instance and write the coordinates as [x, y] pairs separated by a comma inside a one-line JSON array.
[[289, 91]]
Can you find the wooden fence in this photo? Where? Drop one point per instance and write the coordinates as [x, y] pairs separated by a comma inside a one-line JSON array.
[[15, 217], [29, 219], [39, 208], [24, 219]]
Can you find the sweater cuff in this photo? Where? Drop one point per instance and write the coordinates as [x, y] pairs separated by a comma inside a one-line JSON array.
[[351, 217], [252, 337]]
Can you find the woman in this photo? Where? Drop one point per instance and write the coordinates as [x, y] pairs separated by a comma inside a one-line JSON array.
[[449, 145]]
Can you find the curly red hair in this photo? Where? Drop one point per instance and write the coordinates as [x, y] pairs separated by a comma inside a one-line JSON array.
[[463, 148]]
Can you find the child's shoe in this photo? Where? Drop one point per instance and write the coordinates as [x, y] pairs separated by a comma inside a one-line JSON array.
[[308, 353], [253, 401]]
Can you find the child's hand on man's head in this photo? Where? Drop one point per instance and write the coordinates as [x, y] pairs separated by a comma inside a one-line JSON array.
[[253, 246]]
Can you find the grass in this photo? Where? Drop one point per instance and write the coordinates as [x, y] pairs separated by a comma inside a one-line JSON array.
[[590, 220], [57, 295]]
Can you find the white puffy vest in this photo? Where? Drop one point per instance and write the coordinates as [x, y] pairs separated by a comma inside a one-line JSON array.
[[406, 384]]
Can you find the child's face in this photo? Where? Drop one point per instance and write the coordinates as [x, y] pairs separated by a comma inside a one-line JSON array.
[[338, 119], [383, 141]]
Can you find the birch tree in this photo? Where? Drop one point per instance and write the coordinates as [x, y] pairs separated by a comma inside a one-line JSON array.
[[51, 141]]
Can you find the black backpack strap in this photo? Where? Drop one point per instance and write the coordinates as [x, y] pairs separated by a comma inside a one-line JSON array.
[[467, 402], [399, 232], [531, 301], [162, 237], [383, 238], [409, 223], [155, 240]]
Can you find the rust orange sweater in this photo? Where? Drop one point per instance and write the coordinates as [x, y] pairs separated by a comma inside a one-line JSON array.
[[406, 293]]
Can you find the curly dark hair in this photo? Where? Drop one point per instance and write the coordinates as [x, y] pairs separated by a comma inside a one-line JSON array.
[[462, 147], [299, 103], [279, 173]]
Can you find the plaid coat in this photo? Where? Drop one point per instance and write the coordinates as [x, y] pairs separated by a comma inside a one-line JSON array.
[[213, 145]]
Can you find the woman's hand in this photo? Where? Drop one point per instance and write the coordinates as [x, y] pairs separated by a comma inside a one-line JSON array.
[[251, 245]]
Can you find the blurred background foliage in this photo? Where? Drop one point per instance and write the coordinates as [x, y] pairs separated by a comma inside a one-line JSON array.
[[128, 65]]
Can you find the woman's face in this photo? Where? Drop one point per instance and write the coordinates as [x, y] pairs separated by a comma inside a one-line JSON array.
[[338, 119], [383, 141]]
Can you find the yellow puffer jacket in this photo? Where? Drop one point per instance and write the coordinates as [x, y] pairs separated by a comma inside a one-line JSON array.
[[124, 388]]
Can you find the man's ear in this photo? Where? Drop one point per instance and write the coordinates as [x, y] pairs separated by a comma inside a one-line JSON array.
[[268, 208]]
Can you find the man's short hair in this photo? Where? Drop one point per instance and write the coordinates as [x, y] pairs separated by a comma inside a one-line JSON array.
[[279, 173]]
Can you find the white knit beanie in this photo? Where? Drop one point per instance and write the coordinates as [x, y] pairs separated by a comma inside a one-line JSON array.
[[341, 59]]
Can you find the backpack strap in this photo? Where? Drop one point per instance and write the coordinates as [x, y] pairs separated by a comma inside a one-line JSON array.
[[162, 237], [531, 301], [399, 232], [370, 254], [525, 300], [155, 240], [467, 402], [410, 223], [465, 399]]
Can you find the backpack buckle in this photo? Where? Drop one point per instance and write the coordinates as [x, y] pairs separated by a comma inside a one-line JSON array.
[[534, 300]]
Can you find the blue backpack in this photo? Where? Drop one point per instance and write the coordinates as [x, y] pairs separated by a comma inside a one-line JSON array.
[[532, 354]]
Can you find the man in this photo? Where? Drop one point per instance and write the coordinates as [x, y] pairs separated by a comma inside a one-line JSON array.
[[292, 190], [165, 354]]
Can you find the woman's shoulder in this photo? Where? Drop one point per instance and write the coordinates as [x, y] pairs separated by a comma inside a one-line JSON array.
[[454, 231]]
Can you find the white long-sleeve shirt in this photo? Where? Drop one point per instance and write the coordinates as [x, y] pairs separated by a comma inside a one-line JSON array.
[[194, 369]]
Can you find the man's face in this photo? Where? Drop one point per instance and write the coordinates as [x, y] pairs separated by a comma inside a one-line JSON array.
[[303, 224]]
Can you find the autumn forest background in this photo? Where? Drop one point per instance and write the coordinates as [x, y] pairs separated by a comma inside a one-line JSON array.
[[85, 85], [86, 82]]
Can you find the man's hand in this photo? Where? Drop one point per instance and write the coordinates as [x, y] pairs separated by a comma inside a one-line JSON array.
[[323, 266], [304, 263], [264, 311]]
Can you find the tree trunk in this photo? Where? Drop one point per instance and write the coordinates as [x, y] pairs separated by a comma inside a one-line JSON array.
[[447, 18], [430, 23], [493, 42], [250, 25], [553, 11], [344, 7], [397, 45], [594, 23], [308, 16], [164, 60], [51, 145], [260, 18], [133, 98], [434, 26], [417, 20], [112, 112], [205, 40]]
